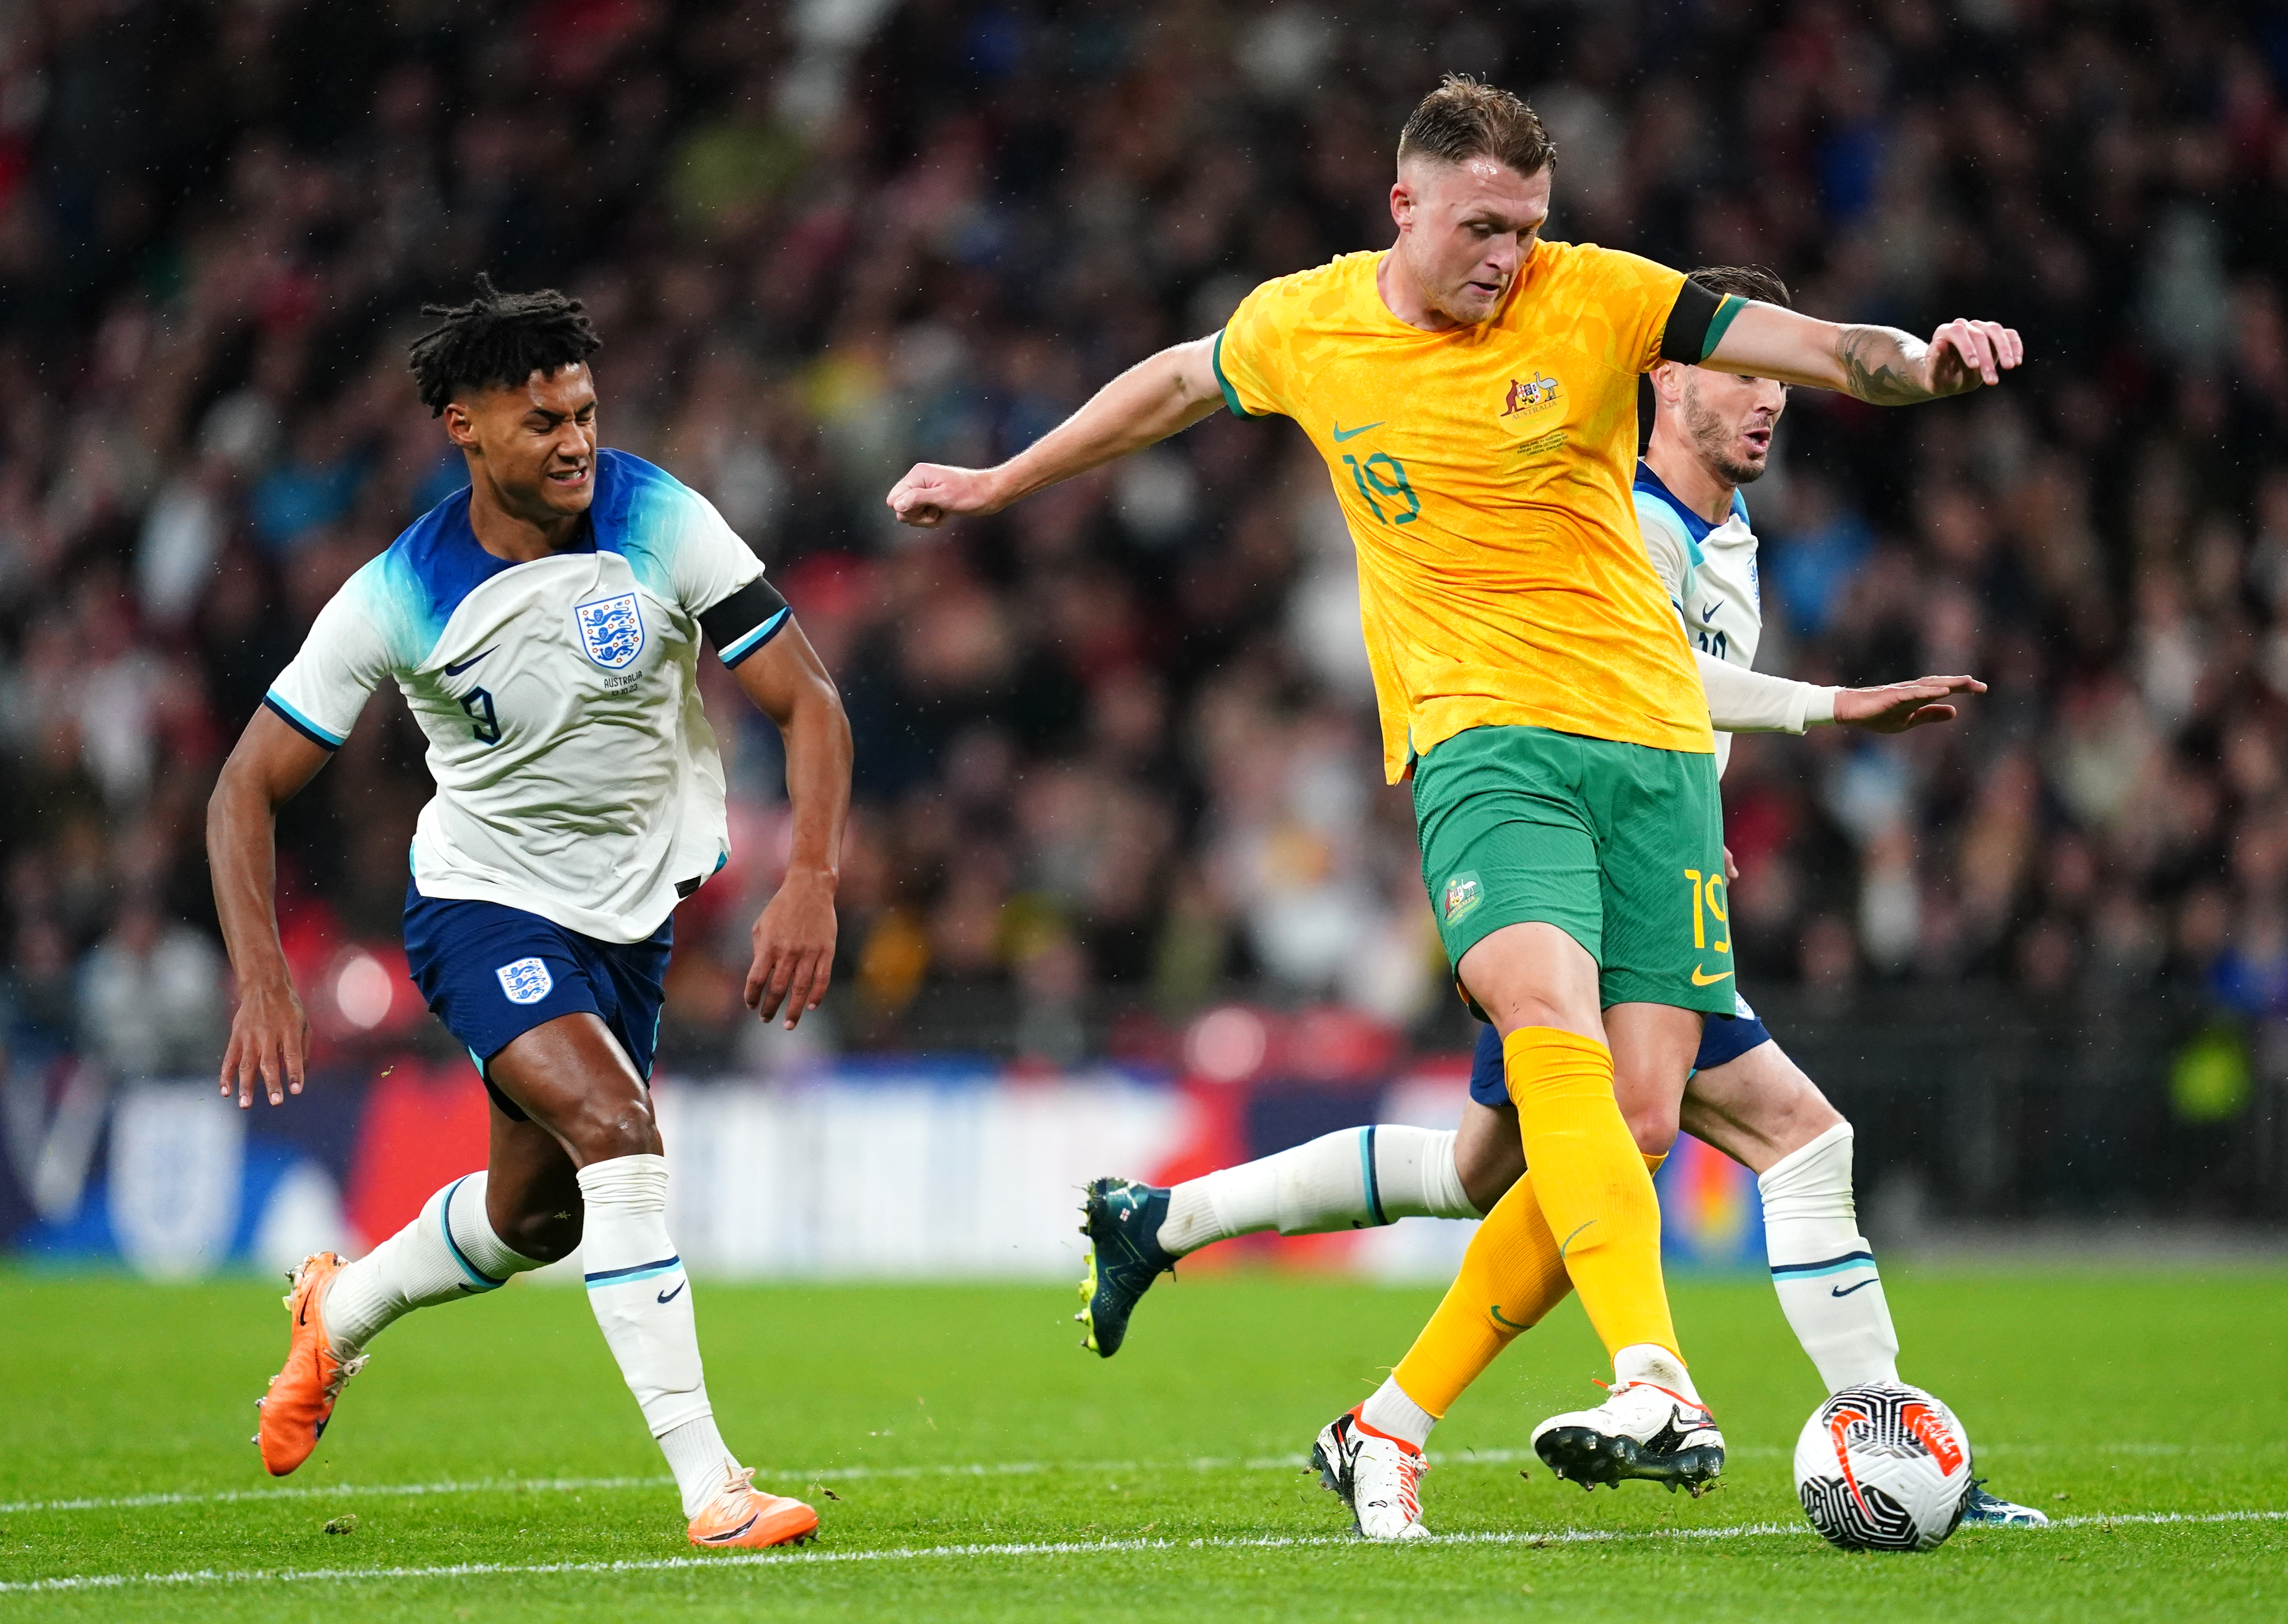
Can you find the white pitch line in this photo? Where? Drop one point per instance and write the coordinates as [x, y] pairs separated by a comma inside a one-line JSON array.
[[313, 1491], [829, 1474], [848, 1474], [571, 1485], [1059, 1547]]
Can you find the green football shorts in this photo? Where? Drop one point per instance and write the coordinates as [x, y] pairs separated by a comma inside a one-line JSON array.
[[1619, 845]]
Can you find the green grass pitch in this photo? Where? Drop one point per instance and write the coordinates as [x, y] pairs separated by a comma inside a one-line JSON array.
[[971, 1462]]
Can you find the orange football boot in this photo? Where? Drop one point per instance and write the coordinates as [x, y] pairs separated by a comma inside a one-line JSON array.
[[742, 1515], [301, 1396]]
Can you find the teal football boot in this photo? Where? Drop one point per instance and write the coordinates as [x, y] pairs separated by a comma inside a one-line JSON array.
[[1122, 1220], [1984, 1510]]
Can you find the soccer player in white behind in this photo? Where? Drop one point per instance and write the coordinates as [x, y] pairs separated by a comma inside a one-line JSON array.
[[543, 626], [1712, 434]]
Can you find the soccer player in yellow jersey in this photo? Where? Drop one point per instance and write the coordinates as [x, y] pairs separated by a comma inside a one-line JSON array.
[[1472, 390]]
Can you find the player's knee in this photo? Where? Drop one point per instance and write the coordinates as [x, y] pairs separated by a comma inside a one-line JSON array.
[[547, 1237], [1654, 1127], [609, 1129]]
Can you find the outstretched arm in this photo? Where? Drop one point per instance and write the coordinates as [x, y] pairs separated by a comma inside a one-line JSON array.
[[1897, 706], [1745, 701], [794, 935], [1879, 365], [1150, 402], [269, 1035]]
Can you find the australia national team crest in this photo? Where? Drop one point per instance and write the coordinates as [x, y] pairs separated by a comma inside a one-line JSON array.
[[1462, 896], [527, 981], [1530, 396], [611, 629]]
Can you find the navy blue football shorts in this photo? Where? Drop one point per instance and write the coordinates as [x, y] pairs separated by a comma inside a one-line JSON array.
[[1721, 1041], [492, 973]]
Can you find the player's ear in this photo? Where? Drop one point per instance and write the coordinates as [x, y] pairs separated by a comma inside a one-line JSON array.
[[1401, 203], [460, 427]]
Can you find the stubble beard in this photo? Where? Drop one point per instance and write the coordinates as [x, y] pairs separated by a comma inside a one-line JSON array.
[[1712, 438], [1450, 305]]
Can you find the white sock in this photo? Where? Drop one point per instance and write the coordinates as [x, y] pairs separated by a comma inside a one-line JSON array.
[[1651, 1361], [642, 1300], [699, 1460], [1391, 1413], [450, 1251], [1823, 1268], [1355, 1179], [1415, 1175]]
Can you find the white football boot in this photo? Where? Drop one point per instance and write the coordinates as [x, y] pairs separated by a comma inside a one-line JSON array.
[[1641, 1431], [1379, 1477]]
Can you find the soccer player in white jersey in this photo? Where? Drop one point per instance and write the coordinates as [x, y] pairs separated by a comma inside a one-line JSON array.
[[543, 625], [1712, 434]]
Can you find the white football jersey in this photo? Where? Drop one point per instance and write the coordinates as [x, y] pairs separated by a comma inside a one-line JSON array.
[[1709, 572], [576, 775]]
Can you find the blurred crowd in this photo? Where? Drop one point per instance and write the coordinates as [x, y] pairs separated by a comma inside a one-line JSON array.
[[1116, 747]]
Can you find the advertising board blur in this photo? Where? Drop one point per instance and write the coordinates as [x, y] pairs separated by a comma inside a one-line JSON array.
[[880, 1169]]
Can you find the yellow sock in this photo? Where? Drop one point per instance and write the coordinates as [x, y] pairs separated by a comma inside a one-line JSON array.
[[1511, 1278], [1591, 1182]]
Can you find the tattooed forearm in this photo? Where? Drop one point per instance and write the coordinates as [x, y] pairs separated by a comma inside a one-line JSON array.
[[1883, 366]]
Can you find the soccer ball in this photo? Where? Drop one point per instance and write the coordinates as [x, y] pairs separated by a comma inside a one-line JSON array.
[[1883, 1467]]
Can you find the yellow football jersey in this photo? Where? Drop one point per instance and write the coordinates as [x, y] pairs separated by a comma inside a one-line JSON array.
[[1486, 475]]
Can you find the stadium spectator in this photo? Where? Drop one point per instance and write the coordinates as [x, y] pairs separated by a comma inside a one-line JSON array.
[[1114, 746]]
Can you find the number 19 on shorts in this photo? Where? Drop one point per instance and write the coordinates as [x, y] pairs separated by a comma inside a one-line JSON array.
[[1708, 914]]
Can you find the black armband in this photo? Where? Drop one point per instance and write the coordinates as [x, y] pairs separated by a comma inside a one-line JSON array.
[[1697, 322], [745, 621]]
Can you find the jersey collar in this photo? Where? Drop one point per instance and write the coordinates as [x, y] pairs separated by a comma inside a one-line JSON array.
[[1695, 526]]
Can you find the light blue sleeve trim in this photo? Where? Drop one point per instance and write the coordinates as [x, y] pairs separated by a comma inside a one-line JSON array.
[[322, 735], [757, 638]]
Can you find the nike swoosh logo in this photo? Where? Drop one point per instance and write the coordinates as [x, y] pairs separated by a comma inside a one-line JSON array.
[[1699, 980], [1496, 1311], [455, 671], [1845, 1291], [677, 1292], [1709, 614], [1570, 1239], [732, 1534], [1342, 434]]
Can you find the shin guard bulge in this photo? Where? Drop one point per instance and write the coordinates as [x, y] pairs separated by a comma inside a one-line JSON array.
[[638, 1289], [642, 1301], [1511, 1278], [1822, 1266], [1591, 1182]]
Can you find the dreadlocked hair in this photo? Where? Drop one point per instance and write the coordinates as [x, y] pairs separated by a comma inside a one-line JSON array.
[[499, 339]]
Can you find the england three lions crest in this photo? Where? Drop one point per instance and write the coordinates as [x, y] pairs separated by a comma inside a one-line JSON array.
[[611, 630], [527, 981]]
